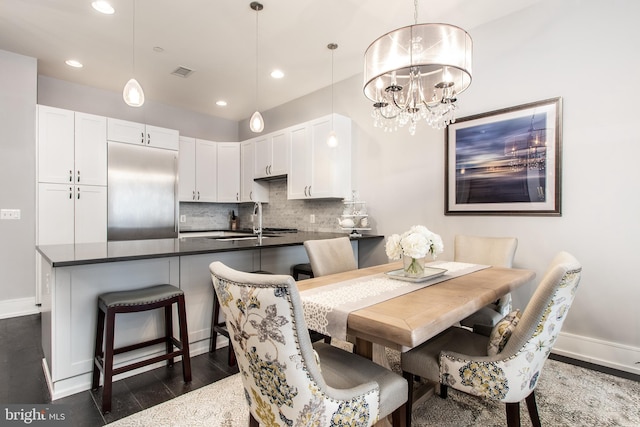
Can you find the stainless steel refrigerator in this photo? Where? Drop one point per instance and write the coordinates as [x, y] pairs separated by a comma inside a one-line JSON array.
[[142, 192]]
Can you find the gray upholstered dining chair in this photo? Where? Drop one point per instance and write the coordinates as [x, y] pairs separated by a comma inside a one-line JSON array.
[[330, 256], [495, 251], [286, 379], [506, 365]]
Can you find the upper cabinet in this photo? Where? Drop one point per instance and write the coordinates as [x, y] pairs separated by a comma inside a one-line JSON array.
[[316, 170], [272, 154], [250, 190], [228, 172], [197, 170], [72, 147], [141, 134]]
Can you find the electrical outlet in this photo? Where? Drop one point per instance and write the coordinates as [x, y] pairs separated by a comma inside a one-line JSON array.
[[10, 214], [312, 219], [183, 218]]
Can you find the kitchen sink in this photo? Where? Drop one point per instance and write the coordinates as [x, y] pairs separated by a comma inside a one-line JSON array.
[[230, 236], [231, 239]]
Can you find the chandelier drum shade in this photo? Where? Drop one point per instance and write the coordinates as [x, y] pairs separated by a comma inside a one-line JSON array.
[[416, 72]]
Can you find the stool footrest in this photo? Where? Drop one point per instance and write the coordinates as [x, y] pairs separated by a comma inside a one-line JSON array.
[[146, 362], [139, 345]]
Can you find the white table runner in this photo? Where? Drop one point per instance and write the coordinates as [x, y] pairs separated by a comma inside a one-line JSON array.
[[326, 308]]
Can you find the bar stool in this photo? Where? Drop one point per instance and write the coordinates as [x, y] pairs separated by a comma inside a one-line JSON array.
[[109, 304], [298, 269]]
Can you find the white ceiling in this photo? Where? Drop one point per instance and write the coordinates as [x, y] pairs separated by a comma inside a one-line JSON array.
[[217, 39]]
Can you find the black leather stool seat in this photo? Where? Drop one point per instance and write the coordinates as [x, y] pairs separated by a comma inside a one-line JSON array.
[[150, 298], [142, 296]]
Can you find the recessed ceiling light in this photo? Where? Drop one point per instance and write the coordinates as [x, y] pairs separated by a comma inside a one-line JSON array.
[[221, 103], [277, 74], [103, 6], [158, 49], [73, 63]]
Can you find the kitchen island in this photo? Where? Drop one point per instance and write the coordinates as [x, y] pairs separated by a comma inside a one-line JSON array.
[[73, 276]]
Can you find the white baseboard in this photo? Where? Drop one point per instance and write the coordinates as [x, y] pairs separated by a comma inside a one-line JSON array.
[[18, 307], [604, 353]]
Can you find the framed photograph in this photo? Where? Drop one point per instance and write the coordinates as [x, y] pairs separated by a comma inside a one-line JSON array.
[[505, 162]]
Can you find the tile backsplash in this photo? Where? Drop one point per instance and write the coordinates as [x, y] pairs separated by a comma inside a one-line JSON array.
[[279, 212]]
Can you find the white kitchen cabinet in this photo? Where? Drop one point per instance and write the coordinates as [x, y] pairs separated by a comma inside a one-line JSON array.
[[90, 149], [228, 172], [197, 167], [70, 214], [316, 170], [72, 147], [72, 177], [250, 190], [272, 154], [141, 134]]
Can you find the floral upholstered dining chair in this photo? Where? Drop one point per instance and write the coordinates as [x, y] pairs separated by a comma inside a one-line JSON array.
[[287, 380], [506, 365]]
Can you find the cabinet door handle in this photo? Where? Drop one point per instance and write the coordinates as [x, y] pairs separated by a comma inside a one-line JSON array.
[[305, 191], [251, 195], [70, 176], [309, 191], [193, 195], [148, 138], [78, 176], [142, 137], [237, 196], [78, 193], [198, 195], [70, 192], [269, 169]]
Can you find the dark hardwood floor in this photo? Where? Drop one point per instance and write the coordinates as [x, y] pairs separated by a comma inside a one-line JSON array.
[[22, 379]]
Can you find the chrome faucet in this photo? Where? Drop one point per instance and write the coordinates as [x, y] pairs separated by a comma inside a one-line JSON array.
[[257, 210]]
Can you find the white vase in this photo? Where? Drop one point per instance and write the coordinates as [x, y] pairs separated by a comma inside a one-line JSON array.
[[413, 267]]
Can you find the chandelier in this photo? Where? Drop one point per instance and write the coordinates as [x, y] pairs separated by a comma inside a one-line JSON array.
[[415, 73]]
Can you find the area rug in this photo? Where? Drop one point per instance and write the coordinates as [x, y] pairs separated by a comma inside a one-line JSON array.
[[567, 395]]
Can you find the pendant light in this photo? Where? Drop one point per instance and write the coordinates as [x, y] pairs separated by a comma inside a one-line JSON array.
[[256, 123], [133, 94], [332, 140]]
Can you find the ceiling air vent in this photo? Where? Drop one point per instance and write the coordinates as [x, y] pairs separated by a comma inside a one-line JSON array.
[[182, 72]]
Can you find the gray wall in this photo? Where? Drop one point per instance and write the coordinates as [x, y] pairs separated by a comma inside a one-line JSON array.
[[72, 96], [17, 175]]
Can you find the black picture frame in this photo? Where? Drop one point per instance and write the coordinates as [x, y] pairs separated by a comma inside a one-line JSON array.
[[506, 162]]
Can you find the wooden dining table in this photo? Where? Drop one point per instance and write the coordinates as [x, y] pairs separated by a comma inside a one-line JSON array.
[[408, 320]]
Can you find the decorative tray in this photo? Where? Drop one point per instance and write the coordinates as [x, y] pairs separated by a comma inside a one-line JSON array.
[[429, 273]]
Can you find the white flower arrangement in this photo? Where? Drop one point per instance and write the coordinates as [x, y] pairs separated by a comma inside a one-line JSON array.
[[415, 243]]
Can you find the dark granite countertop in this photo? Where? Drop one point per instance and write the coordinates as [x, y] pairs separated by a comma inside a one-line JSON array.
[[129, 250]]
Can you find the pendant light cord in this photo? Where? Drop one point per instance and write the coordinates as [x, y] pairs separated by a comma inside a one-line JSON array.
[[133, 44], [256, 101]]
